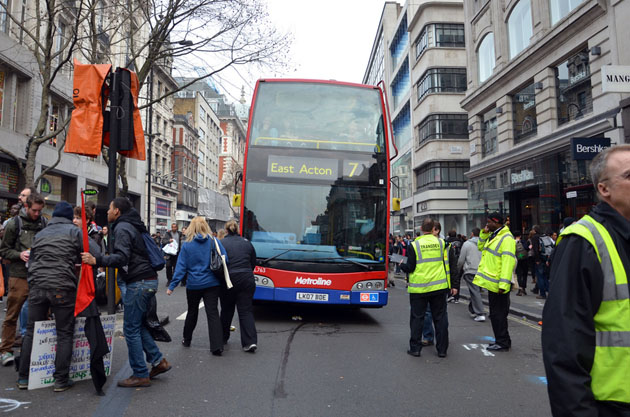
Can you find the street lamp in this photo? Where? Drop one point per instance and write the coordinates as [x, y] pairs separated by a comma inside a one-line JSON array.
[[150, 133]]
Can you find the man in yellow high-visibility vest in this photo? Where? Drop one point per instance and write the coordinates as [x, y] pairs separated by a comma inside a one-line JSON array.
[[429, 284], [586, 330], [498, 261]]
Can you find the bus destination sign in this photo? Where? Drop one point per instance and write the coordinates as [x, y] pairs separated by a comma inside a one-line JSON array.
[[306, 168]]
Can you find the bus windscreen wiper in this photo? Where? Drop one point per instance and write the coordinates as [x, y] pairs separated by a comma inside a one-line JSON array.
[[264, 261], [335, 258]]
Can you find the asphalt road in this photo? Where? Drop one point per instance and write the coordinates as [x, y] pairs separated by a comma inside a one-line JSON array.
[[326, 362]]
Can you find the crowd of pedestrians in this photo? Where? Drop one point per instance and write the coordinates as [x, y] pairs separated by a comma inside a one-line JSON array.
[[41, 261]]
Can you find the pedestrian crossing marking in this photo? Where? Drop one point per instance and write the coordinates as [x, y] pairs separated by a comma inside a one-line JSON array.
[[183, 316]]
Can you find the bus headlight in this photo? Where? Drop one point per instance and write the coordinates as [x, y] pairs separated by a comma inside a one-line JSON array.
[[262, 281], [373, 284]]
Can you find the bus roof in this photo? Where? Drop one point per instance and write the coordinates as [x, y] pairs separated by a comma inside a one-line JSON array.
[[304, 80]]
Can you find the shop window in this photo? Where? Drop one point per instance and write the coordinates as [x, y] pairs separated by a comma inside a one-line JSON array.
[[489, 133], [573, 83], [445, 174], [485, 57], [442, 80], [561, 8], [524, 105], [443, 126], [520, 27]]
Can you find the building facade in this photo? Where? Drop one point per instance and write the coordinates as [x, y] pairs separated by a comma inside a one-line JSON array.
[[185, 165], [534, 88], [424, 66]]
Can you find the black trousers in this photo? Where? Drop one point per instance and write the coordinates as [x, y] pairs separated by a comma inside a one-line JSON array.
[[499, 308], [239, 296], [418, 303], [210, 298], [61, 303], [522, 269], [171, 262]]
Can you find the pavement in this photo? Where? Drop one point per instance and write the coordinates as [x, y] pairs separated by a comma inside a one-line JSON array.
[[527, 306]]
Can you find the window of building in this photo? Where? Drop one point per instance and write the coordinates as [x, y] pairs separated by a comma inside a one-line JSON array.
[[202, 114], [489, 133], [399, 43], [55, 118], [443, 174], [485, 57], [443, 126], [573, 82], [520, 27], [4, 18], [401, 84], [402, 127], [442, 80], [3, 75], [401, 169], [524, 105], [561, 8], [422, 42], [449, 35]]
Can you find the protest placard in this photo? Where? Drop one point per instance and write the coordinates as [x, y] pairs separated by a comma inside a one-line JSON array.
[[42, 365]]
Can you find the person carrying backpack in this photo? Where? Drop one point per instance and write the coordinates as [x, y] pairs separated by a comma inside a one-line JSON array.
[[522, 264], [138, 274], [542, 246]]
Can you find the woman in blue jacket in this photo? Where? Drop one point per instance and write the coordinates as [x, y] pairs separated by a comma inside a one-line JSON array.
[[194, 262]]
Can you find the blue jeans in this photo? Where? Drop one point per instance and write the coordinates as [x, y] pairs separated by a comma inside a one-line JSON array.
[[23, 318], [138, 338], [542, 278]]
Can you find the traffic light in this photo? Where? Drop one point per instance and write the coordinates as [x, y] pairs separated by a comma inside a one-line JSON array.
[[395, 204]]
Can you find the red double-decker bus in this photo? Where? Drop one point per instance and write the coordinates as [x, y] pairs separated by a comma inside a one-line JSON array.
[[315, 190]]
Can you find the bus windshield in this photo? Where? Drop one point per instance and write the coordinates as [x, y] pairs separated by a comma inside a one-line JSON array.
[[316, 222], [318, 116]]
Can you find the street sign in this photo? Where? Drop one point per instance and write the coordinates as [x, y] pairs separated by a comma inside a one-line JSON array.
[[571, 194]]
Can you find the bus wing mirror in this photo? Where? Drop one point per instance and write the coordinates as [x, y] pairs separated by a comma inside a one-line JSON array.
[[236, 200], [395, 204]]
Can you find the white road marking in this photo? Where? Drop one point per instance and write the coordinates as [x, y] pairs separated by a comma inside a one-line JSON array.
[[183, 316], [482, 347]]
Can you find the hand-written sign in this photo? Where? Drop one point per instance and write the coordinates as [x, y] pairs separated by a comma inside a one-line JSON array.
[[45, 345]]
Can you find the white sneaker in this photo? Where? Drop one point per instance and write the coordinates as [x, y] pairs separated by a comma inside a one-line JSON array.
[[6, 358], [480, 317], [251, 348]]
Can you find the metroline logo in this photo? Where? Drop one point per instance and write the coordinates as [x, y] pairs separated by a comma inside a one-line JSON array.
[[313, 281]]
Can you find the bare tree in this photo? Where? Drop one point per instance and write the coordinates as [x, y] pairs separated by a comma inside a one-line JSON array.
[[139, 34]]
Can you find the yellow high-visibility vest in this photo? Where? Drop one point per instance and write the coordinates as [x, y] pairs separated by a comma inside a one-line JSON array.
[[431, 273], [611, 364], [498, 261]]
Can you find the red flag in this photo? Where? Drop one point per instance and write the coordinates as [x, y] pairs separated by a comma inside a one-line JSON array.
[[86, 290]]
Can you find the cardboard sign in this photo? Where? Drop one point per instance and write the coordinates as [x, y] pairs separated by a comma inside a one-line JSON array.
[[44, 351]]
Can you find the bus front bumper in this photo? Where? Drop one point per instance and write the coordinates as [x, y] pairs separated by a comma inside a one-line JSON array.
[[320, 296]]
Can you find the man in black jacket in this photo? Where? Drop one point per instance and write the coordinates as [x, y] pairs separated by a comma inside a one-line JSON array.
[[569, 334], [52, 283], [135, 271]]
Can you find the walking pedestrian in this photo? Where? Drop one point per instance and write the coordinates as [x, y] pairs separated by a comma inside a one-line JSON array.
[[15, 247], [194, 262], [52, 283], [496, 267], [541, 259], [521, 264], [468, 263], [454, 251], [587, 315], [242, 257], [130, 256], [429, 283], [172, 235]]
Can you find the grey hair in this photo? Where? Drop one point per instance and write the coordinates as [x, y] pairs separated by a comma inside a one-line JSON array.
[[600, 163]]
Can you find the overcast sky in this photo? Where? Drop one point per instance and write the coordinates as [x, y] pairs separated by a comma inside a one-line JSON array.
[[332, 40]]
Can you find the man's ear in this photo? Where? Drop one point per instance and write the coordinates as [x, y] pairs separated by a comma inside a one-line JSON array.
[[603, 189]]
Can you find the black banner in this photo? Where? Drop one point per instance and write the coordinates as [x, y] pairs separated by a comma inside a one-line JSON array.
[[588, 148]]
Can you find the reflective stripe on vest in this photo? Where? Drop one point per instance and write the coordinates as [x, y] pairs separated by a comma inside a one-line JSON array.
[[611, 363]]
